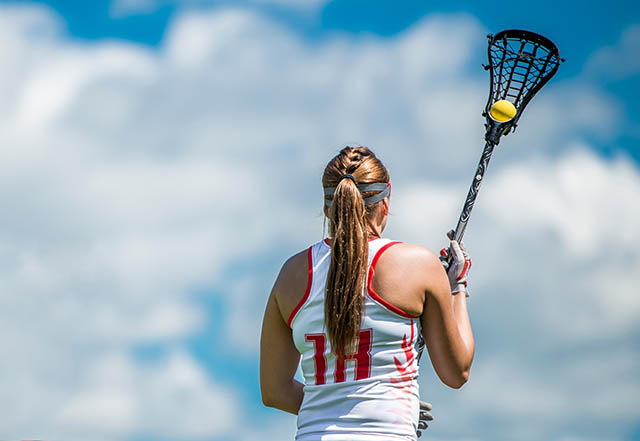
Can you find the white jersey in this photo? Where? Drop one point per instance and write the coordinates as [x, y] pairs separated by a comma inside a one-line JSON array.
[[370, 395]]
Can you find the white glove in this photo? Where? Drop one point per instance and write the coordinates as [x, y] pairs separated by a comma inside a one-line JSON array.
[[457, 263]]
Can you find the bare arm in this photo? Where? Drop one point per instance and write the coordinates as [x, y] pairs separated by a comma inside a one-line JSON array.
[[446, 327], [459, 301], [279, 357]]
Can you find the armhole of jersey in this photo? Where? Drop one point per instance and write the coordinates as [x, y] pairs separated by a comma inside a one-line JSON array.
[[308, 290], [374, 295]]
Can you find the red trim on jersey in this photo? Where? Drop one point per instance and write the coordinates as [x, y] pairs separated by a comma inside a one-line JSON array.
[[374, 295], [328, 241], [306, 293]]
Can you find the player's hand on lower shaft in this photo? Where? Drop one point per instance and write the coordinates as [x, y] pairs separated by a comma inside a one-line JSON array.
[[457, 263], [424, 417]]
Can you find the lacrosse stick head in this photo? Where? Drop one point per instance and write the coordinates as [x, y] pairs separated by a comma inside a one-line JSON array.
[[520, 63]]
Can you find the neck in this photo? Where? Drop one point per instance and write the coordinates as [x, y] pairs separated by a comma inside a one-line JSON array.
[[374, 231]]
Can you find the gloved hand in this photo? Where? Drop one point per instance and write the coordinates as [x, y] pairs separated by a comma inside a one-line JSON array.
[[424, 417], [457, 263]]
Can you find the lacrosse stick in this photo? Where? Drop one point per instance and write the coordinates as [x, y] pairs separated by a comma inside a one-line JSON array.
[[520, 63]]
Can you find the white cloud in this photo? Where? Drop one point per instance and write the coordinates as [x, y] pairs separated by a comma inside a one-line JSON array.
[[520, 397], [583, 208], [174, 398], [49, 91], [245, 308], [130, 178], [568, 195], [620, 60]]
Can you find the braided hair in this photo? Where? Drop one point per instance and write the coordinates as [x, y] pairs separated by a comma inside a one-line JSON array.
[[348, 228]]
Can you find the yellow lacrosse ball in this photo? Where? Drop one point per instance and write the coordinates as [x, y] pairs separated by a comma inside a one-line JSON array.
[[503, 110]]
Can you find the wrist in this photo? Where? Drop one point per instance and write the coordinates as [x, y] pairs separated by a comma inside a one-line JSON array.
[[459, 288]]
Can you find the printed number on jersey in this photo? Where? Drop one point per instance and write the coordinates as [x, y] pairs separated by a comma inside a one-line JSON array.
[[362, 358]]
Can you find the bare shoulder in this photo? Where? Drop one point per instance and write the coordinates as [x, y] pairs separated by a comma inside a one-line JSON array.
[[412, 256], [295, 268], [424, 268], [291, 283], [416, 264], [404, 275]]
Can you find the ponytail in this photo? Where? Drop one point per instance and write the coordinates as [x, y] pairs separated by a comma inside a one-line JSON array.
[[348, 212], [349, 256]]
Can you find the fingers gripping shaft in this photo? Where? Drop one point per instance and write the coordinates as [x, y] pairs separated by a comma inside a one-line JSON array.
[[457, 263]]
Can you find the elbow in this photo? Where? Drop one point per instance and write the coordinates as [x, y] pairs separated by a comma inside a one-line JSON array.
[[268, 397], [461, 375], [460, 380], [457, 381]]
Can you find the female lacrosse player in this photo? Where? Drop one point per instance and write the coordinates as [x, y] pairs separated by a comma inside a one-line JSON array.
[[355, 307]]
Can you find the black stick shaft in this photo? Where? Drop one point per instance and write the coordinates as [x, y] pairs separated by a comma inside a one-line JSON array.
[[473, 191]]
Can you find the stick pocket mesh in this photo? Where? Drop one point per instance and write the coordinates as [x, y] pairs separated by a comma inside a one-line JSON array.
[[520, 63]]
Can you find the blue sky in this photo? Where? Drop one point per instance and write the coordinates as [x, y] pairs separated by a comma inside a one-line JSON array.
[[161, 159]]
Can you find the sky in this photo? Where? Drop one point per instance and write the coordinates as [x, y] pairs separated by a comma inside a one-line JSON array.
[[161, 159]]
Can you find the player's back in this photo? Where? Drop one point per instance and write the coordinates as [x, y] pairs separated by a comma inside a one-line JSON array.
[[371, 394]]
